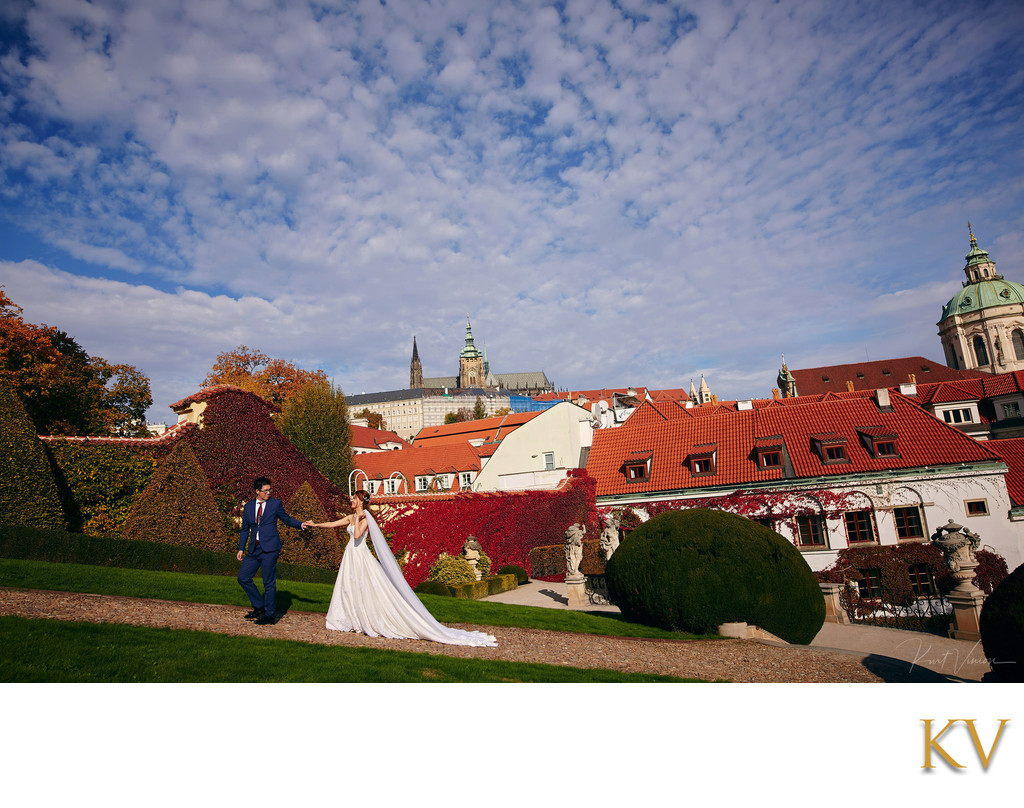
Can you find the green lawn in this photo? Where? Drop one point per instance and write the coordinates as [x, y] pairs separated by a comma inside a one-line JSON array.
[[308, 597], [58, 651]]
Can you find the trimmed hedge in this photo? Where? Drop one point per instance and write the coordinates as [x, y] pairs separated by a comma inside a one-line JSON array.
[[62, 547], [434, 588], [1002, 628], [697, 569], [177, 507], [519, 572], [315, 546], [28, 491]]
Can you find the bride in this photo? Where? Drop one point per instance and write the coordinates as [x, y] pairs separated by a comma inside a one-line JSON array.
[[374, 598]]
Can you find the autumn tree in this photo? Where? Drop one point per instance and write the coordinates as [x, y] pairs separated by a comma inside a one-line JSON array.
[[315, 420], [374, 420], [276, 380], [64, 390], [459, 416]]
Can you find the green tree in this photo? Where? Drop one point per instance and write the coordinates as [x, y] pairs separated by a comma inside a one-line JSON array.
[[315, 420], [479, 410], [315, 546]]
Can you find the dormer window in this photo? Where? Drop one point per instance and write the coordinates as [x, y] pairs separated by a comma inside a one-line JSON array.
[[769, 452], [882, 442], [831, 448], [702, 460], [637, 467]]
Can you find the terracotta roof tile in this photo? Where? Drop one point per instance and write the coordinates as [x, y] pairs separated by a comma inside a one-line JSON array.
[[922, 441]]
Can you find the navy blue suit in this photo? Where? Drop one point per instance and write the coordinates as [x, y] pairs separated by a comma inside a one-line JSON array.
[[262, 553]]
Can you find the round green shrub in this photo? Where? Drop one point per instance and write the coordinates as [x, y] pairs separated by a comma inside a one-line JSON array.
[[433, 588], [522, 576], [1002, 628], [696, 569], [451, 570]]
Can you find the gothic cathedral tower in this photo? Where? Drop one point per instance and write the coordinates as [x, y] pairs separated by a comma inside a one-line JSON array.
[[415, 369]]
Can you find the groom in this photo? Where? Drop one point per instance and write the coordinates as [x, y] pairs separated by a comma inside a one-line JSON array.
[[259, 523]]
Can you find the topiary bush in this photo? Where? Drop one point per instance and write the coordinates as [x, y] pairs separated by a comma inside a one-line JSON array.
[[452, 571], [177, 507], [28, 491], [433, 588], [511, 569], [696, 569], [1002, 628]]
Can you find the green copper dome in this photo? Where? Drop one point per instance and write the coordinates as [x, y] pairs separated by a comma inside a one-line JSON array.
[[984, 288]]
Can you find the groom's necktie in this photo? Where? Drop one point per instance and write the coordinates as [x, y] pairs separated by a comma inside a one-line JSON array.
[[259, 513]]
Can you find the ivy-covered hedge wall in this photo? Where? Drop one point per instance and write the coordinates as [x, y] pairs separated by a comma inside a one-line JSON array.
[[507, 525], [239, 442], [101, 482]]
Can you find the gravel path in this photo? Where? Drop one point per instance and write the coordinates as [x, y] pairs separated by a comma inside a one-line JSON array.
[[735, 660]]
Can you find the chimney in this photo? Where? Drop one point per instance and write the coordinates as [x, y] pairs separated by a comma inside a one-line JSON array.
[[913, 378], [745, 405], [775, 393], [882, 397], [714, 399], [849, 386]]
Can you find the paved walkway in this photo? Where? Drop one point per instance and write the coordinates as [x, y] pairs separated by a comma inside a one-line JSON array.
[[894, 654]]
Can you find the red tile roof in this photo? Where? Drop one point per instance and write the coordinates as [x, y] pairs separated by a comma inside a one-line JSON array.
[[169, 435], [922, 441], [490, 430], [365, 437], [1011, 450], [874, 375], [419, 461]]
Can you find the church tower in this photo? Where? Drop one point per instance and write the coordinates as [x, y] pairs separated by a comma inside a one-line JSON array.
[[415, 369], [786, 381], [471, 362], [982, 325]]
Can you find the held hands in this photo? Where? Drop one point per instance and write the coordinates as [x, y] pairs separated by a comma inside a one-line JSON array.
[[307, 524]]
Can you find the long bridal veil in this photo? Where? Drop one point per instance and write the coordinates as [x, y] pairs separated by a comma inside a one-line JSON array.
[[437, 632]]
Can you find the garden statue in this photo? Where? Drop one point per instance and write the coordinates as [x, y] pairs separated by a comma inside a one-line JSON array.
[[574, 548], [471, 552], [609, 536], [575, 580], [958, 545]]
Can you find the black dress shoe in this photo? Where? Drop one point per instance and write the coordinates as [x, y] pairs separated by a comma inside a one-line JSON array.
[[266, 620], [255, 613]]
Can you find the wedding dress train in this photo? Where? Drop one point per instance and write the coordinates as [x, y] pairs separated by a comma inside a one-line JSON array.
[[374, 598]]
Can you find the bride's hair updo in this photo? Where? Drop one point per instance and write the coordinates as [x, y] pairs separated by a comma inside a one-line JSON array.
[[363, 496]]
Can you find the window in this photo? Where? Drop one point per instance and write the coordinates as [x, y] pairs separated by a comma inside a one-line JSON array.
[[835, 453], [1017, 338], [771, 460], [958, 416], [976, 507], [465, 479], [391, 486], [980, 351], [885, 448], [422, 483], [372, 486], [830, 447], [636, 472], [908, 522], [921, 579], [1011, 410], [767, 521], [869, 585], [702, 465], [810, 531], [858, 526], [549, 461]]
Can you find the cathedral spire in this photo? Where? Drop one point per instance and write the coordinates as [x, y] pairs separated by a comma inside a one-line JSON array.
[[415, 368]]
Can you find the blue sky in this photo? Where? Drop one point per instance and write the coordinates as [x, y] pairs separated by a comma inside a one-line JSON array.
[[617, 193]]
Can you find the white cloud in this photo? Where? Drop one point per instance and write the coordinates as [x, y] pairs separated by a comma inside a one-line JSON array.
[[617, 193]]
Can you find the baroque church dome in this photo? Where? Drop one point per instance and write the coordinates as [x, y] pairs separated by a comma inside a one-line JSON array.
[[982, 325]]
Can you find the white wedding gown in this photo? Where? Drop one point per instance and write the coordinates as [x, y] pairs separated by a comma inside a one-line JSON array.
[[374, 598]]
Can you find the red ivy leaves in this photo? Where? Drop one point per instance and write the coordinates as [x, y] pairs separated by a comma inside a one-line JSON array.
[[507, 525]]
